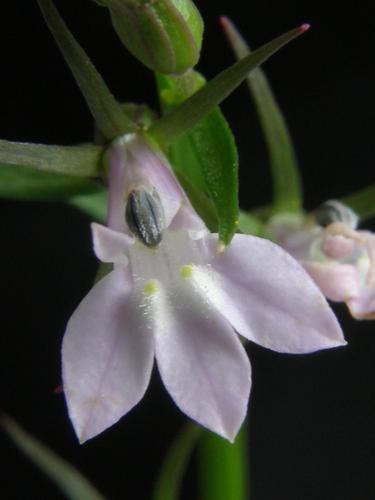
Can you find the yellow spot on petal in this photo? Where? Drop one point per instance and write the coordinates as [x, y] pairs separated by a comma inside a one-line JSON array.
[[186, 271], [150, 287]]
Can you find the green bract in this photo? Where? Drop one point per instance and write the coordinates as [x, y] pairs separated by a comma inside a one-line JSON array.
[[165, 35], [206, 155]]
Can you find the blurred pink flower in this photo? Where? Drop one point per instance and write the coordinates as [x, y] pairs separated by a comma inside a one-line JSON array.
[[172, 296], [339, 258]]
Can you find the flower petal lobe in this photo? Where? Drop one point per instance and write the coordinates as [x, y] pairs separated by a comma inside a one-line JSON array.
[[107, 356], [201, 360], [269, 298]]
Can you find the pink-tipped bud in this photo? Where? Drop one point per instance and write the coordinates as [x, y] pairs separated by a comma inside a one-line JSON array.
[[304, 27]]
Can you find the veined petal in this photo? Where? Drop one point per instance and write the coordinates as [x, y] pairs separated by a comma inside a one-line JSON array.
[[109, 245], [107, 356], [268, 297], [201, 360]]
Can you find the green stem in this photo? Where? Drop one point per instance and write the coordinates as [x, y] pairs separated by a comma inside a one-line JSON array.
[[80, 161], [168, 483], [223, 467]]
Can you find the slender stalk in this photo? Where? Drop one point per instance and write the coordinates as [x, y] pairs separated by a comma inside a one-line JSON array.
[[80, 161], [223, 467], [168, 483]]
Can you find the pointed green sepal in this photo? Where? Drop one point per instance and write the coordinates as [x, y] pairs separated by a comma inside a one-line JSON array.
[[106, 111], [287, 193], [206, 155], [182, 118], [362, 202], [93, 204], [70, 481], [78, 161]]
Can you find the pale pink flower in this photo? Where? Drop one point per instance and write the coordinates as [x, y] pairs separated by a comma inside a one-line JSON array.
[[172, 296], [340, 258]]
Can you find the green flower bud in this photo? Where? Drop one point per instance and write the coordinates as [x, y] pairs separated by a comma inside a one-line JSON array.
[[165, 35]]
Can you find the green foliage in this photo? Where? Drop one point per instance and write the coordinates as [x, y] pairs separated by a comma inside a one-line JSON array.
[[23, 183], [287, 195], [106, 111], [77, 161], [92, 204], [174, 465], [70, 481], [362, 202], [206, 156], [223, 467], [182, 118]]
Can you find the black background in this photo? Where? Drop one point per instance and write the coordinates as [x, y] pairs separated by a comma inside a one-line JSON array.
[[312, 418]]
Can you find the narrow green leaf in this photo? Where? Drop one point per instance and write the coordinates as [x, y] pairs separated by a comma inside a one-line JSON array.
[[287, 192], [223, 467], [172, 91], [106, 111], [92, 204], [71, 482], [182, 118], [78, 161], [168, 483], [24, 183], [362, 202], [206, 155]]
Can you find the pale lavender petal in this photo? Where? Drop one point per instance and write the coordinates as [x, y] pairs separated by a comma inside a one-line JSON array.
[[337, 246], [107, 356], [363, 306], [201, 360], [338, 282], [109, 245], [268, 297], [186, 218]]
